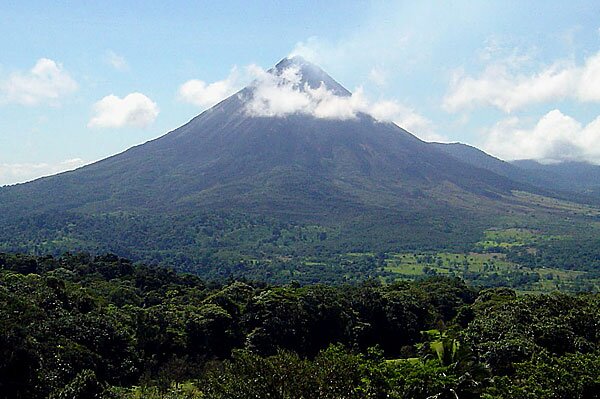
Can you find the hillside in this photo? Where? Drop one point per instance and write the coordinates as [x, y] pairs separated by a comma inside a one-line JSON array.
[[236, 186], [229, 158], [580, 179], [575, 176]]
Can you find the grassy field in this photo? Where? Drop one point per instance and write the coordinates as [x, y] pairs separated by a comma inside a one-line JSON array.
[[412, 264], [506, 238], [485, 269]]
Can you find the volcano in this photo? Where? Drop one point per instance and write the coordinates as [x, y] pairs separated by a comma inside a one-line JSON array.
[[287, 150]]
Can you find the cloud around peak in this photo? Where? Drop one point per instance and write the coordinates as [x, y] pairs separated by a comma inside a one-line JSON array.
[[283, 92], [279, 95]]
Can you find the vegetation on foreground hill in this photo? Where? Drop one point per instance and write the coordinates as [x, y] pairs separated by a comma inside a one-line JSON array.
[[542, 253], [101, 327]]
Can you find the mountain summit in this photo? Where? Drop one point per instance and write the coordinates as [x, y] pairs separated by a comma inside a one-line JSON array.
[[311, 75], [285, 148]]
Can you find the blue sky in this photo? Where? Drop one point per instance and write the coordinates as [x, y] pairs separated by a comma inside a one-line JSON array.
[[80, 81]]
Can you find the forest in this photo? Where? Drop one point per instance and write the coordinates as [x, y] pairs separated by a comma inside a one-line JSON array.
[[539, 255], [83, 326]]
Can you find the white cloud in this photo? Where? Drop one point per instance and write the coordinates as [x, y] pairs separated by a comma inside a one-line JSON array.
[[282, 94], [116, 61], [407, 118], [589, 81], [555, 137], [134, 110], [23, 172], [205, 95], [327, 105], [502, 87], [46, 82], [279, 95]]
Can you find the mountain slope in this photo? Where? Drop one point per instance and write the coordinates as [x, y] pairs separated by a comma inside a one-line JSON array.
[[575, 176], [477, 158], [231, 178], [579, 180], [226, 157]]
